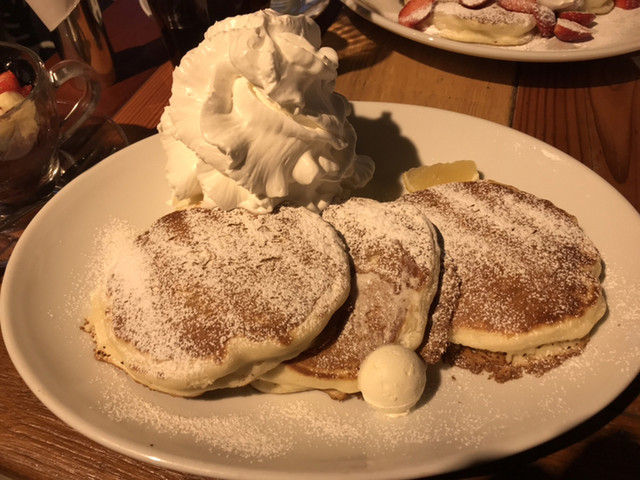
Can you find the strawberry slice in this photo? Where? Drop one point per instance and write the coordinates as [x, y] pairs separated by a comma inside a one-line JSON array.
[[570, 31], [414, 14], [544, 16], [583, 18], [627, 4], [25, 90], [545, 20], [522, 6], [9, 82]]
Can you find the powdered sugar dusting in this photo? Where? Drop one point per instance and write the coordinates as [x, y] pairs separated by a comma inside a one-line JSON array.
[[191, 265], [203, 288], [491, 15], [460, 412], [238, 434], [376, 230], [396, 260], [506, 242], [277, 427]]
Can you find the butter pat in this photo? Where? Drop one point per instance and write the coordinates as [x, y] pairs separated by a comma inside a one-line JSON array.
[[392, 379]]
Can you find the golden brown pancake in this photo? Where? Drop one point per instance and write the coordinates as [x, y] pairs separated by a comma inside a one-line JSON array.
[[207, 299], [491, 24], [529, 277], [396, 264], [436, 337]]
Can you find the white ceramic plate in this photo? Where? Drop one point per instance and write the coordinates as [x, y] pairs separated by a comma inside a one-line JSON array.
[[614, 34], [462, 418]]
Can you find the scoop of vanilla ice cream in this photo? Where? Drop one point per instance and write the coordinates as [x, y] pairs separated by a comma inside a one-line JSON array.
[[392, 379], [253, 118]]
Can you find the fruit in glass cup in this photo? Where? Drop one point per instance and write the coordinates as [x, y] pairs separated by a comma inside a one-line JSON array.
[[26, 133], [18, 133]]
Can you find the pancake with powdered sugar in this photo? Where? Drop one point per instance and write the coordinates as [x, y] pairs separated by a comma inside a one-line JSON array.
[[396, 262], [529, 277], [208, 299], [491, 24]]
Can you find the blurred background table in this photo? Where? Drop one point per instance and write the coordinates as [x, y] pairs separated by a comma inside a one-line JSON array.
[[590, 110]]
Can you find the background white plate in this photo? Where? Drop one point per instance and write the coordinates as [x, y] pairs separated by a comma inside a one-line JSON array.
[[462, 418], [614, 34]]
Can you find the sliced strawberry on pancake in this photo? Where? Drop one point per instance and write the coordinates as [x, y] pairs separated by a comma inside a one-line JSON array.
[[583, 18], [569, 31], [627, 4], [545, 17], [414, 14], [522, 6]]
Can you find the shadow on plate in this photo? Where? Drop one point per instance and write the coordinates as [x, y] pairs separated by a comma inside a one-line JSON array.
[[393, 154]]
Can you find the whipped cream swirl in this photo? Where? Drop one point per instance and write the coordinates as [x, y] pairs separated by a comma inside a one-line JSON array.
[[254, 121]]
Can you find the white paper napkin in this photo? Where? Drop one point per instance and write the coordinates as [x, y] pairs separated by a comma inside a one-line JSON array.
[[52, 12]]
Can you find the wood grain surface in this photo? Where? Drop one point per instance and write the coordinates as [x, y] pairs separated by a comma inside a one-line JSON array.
[[591, 110]]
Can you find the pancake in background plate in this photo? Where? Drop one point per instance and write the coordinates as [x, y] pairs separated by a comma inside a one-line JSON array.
[[492, 25]]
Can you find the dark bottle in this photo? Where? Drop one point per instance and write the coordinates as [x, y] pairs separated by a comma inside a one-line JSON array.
[[220, 9], [184, 22]]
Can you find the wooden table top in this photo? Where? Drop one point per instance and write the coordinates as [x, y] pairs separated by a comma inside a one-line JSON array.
[[590, 110]]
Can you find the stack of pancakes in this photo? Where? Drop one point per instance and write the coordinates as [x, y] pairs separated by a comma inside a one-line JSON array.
[[479, 273], [396, 264]]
